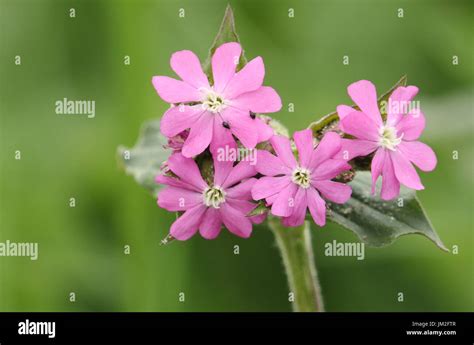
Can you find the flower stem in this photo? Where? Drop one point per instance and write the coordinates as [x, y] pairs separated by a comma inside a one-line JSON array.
[[297, 253]]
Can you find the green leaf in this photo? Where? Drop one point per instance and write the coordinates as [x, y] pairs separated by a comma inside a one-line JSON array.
[[331, 120], [225, 34], [260, 209], [379, 223], [143, 161]]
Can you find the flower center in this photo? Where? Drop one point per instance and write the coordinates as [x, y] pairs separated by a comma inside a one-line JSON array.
[[301, 177], [388, 137], [214, 196], [213, 102]]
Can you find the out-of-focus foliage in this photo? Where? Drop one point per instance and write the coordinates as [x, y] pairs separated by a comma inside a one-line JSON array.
[[145, 160]]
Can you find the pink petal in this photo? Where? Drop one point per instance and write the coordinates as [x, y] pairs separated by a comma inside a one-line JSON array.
[[404, 171], [224, 61], [271, 199], [282, 147], [243, 170], [248, 79], [186, 64], [329, 169], [361, 126], [187, 170], [211, 224], [390, 184], [178, 199], [334, 191], [175, 91], [419, 154], [243, 206], [221, 138], [377, 166], [187, 225], [396, 103], [175, 182], [177, 119], [284, 204], [344, 110], [411, 125], [242, 126], [263, 100], [327, 148], [200, 136], [299, 211], [222, 168], [304, 144], [270, 165], [264, 131], [317, 206], [268, 186], [351, 148], [242, 190], [235, 221], [363, 93]]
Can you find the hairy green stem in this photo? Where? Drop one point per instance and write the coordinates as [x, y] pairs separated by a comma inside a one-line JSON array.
[[297, 253]]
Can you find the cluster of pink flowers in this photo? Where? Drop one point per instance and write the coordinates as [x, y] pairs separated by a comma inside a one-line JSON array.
[[204, 118]]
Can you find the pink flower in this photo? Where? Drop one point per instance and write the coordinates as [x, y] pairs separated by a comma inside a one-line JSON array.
[[176, 143], [214, 113], [206, 207], [394, 142], [291, 187]]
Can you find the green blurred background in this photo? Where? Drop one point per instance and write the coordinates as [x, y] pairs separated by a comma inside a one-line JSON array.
[[81, 58]]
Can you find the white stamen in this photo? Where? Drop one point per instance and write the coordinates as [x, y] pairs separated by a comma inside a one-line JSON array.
[[214, 196], [301, 177], [213, 102], [388, 137]]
